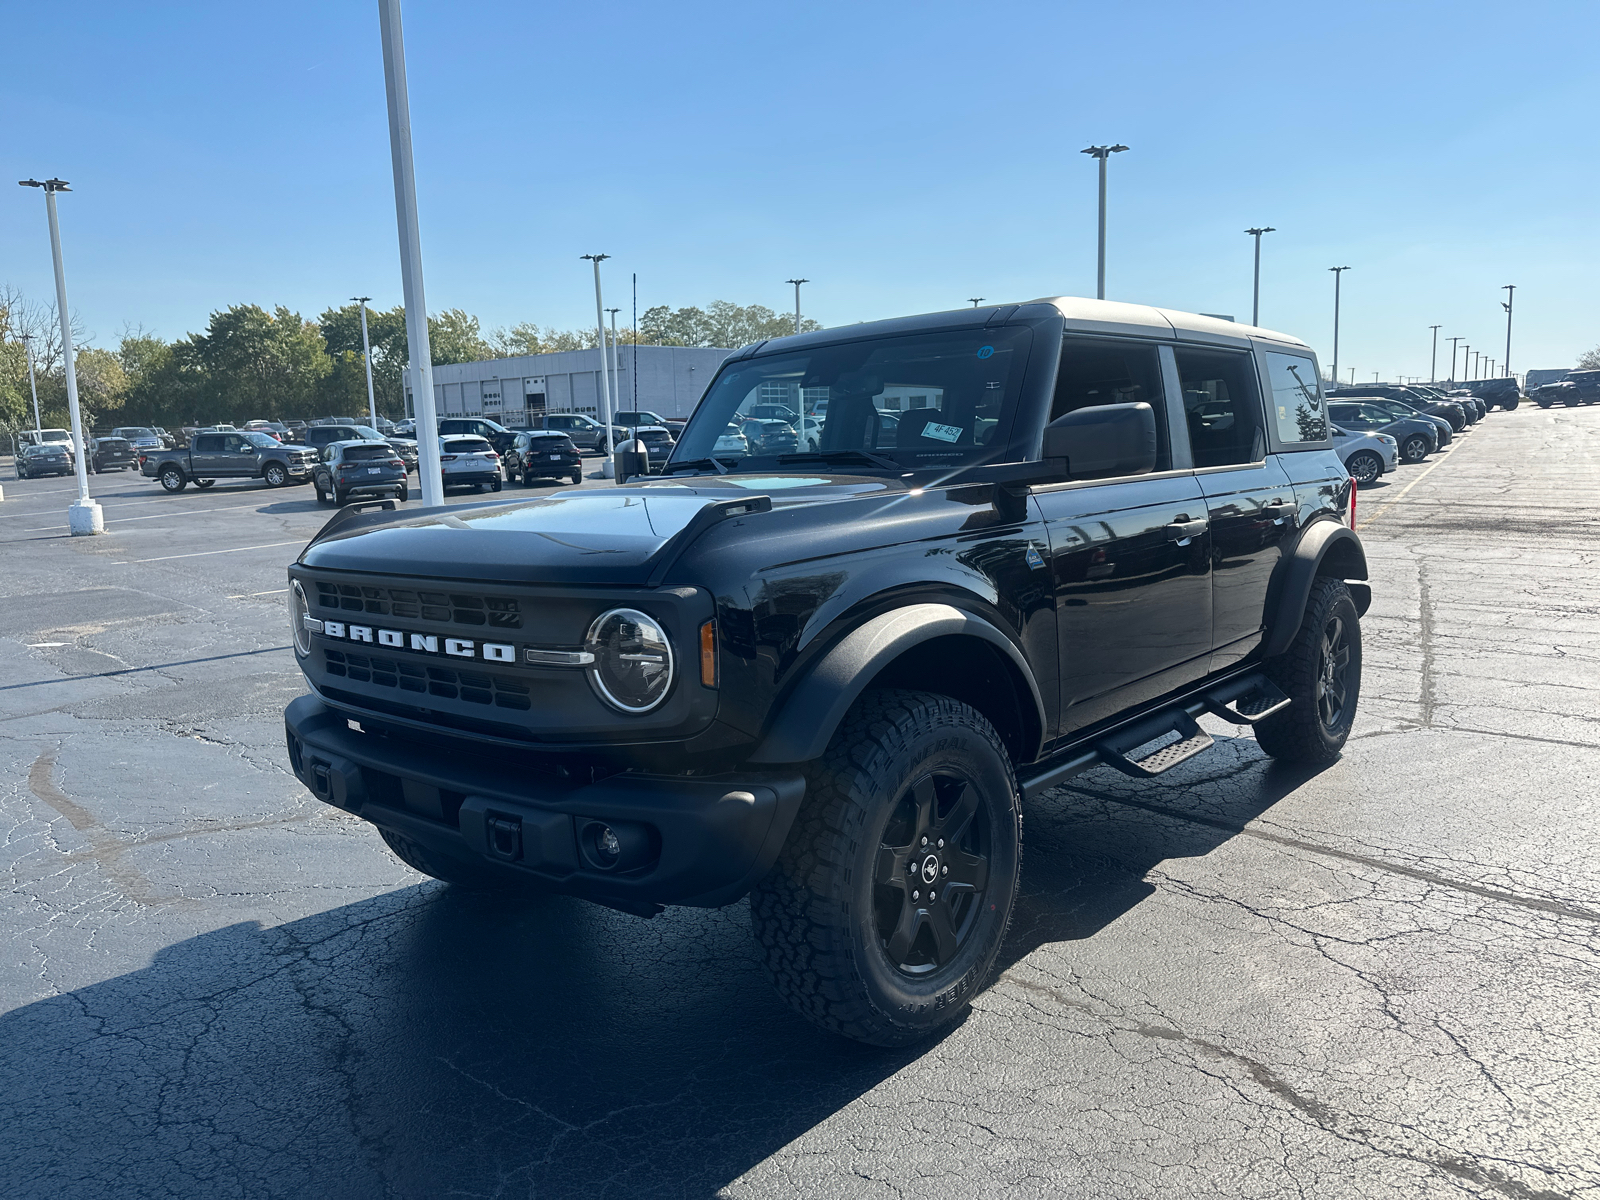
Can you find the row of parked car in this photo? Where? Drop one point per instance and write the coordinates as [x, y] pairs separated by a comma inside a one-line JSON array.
[[1377, 426]]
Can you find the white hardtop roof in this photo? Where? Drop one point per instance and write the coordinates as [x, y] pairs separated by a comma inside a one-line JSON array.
[[1113, 316]]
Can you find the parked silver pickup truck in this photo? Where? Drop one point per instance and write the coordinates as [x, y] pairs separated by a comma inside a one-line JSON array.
[[214, 456]]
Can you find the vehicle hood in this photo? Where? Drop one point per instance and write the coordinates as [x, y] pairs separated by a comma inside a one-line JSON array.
[[597, 535]]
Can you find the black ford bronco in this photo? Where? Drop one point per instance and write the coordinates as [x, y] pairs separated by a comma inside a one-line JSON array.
[[1032, 539]]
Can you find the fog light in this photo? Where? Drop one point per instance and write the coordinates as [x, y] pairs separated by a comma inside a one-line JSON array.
[[618, 846], [606, 844]]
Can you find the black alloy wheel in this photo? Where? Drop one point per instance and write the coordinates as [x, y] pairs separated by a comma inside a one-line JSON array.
[[889, 902], [172, 479], [1364, 467], [1320, 672], [1414, 449], [931, 873], [276, 475]]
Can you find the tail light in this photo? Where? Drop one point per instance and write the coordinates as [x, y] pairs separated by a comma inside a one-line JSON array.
[[447, 458], [395, 462]]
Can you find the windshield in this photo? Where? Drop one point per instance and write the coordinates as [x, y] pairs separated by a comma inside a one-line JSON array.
[[134, 431], [55, 435], [927, 400], [466, 445], [263, 440]]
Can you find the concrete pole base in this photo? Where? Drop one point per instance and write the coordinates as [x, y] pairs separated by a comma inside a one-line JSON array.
[[609, 470], [2, 493], [85, 516]]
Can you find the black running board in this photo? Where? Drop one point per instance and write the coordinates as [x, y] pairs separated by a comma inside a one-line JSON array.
[[1244, 700]]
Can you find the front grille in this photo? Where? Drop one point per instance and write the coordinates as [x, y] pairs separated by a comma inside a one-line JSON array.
[[450, 683], [493, 612]]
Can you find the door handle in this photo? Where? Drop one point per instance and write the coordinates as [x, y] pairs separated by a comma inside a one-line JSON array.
[[1183, 532], [1279, 510]]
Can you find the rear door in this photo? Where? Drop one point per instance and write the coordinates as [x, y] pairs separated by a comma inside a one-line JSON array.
[[1130, 557], [1249, 498], [207, 455]]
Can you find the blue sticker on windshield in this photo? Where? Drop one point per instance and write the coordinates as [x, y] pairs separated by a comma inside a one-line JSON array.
[[985, 351]]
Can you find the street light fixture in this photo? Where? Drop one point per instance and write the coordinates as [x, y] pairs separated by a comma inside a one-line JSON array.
[[1102, 153], [1338, 275], [85, 515], [977, 300], [1255, 304], [1433, 359], [608, 468], [797, 283], [1510, 290], [1453, 342], [366, 357]]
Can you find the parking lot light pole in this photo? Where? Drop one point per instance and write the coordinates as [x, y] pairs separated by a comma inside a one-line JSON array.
[[608, 468], [420, 370], [27, 348], [1510, 290], [1338, 274], [1453, 342], [1433, 359], [84, 516], [797, 283], [977, 300], [1255, 303], [616, 373], [366, 357], [1102, 153]]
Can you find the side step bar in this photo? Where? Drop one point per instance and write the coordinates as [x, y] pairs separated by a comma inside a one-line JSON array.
[[1243, 700]]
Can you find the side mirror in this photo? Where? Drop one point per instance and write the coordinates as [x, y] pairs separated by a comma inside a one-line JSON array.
[[1107, 439]]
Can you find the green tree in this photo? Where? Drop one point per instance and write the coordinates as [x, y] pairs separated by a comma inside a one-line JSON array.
[[720, 324], [1589, 360], [454, 337], [260, 364], [102, 385]]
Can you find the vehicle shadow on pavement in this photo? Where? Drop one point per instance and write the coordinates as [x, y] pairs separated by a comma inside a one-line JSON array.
[[421, 1043], [1088, 845], [428, 1041]]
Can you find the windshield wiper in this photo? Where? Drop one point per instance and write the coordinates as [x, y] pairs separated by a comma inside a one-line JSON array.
[[862, 456], [698, 464]]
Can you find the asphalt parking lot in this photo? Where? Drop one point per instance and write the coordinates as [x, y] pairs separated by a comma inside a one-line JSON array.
[[1379, 980]]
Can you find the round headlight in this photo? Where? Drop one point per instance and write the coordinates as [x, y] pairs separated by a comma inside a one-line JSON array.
[[299, 611], [633, 665]]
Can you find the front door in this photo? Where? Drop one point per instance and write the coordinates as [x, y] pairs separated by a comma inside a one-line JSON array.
[[1130, 557]]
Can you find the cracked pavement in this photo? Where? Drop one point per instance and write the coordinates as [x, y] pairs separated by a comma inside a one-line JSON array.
[[1376, 980]]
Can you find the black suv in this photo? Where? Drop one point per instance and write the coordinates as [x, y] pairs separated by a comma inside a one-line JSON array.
[[371, 467], [496, 434], [543, 454], [830, 679]]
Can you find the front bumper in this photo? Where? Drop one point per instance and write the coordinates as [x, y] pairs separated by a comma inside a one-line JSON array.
[[706, 840]]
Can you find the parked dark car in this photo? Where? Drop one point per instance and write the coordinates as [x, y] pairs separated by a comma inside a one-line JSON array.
[[1416, 436], [1563, 391], [112, 454], [769, 436], [141, 437], [1399, 410], [586, 433], [1476, 409], [543, 454], [635, 418], [297, 430], [42, 458], [658, 444], [1451, 410], [832, 681], [364, 468], [496, 434], [1502, 392], [1587, 383]]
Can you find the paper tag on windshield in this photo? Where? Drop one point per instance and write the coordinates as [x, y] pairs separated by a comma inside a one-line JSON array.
[[945, 433]]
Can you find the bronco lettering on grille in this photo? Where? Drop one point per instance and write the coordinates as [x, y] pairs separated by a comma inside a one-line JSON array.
[[424, 643]]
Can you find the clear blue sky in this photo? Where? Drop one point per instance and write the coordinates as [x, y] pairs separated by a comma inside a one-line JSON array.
[[904, 157]]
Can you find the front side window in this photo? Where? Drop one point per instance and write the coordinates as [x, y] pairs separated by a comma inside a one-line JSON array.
[[1222, 408], [1095, 373], [262, 440], [968, 381], [1297, 407]]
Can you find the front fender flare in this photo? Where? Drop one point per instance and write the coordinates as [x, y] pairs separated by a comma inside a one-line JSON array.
[[1326, 547], [805, 723]]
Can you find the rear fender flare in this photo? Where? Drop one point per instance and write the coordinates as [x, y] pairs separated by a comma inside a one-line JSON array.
[[806, 721], [1325, 548]]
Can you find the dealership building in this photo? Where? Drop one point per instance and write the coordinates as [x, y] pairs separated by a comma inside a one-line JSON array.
[[667, 379]]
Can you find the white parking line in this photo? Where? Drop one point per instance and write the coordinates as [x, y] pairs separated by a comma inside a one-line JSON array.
[[188, 512], [202, 553], [248, 595]]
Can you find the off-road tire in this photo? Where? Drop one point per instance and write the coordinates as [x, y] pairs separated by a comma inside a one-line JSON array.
[[1363, 475], [1299, 733], [172, 480], [1414, 449], [276, 475], [457, 874], [814, 914]]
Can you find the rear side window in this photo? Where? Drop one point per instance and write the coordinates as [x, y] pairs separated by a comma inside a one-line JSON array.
[[208, 442], [1222, 407], [1109, 372], [1297, 406]]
